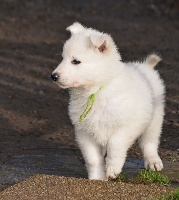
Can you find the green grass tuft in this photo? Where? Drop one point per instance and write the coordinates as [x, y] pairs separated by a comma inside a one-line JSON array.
[[121, 177], [145, 177], [172, 196], [149, 176]]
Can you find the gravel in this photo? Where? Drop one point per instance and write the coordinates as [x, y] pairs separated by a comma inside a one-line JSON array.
[[51, 187]]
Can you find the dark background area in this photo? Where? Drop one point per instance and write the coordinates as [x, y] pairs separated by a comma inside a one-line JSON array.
[[33, 111]]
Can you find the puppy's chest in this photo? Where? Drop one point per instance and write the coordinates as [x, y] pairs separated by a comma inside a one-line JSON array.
[[98, 110], [100, 121]]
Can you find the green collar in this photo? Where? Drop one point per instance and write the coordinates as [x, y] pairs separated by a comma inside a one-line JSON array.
[[90, 102]]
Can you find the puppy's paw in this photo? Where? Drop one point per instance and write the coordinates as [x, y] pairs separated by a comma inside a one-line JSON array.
[[154, 164], [99, 176], [112, 172]]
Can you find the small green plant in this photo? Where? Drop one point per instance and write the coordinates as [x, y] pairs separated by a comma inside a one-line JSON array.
[[121, 177], [174, 159], [172, 196], [149, 176]]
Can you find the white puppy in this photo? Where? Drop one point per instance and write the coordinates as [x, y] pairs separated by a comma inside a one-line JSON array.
[[111, 103]]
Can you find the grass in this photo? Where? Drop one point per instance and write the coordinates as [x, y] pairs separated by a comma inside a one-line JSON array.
[[172, 196], [145, 176], [149, 176], [121, 177], [152, 177]]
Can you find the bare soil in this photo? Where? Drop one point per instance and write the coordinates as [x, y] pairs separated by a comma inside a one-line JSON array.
[[33, 110], [45, 187]]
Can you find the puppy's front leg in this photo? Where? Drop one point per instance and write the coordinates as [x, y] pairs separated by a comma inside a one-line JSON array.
[[92, 155], [117, 147]]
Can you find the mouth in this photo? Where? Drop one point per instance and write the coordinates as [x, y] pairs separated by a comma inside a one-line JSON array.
[[62, 85]]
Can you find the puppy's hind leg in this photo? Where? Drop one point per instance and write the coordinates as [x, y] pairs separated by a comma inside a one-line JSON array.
[[149, 141]]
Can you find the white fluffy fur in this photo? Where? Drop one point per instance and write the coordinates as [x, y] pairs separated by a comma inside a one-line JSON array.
[[130, 105]]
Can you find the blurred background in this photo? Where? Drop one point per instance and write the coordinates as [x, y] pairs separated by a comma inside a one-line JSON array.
[[33, 111]]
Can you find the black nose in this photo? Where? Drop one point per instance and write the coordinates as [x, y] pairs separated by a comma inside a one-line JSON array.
[[54, 76]]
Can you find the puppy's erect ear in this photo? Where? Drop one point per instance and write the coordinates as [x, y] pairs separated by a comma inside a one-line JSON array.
[[100, 42], [75, 28]]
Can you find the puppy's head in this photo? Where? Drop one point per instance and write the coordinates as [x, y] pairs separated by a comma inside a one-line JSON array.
[[87, 57]]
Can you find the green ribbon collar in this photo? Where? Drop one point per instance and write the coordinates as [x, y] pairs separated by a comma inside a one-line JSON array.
[[90, 102]]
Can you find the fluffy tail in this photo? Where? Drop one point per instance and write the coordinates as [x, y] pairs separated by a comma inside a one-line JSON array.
[[152, 60]]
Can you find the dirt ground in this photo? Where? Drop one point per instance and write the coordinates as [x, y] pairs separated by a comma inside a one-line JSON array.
[[33, 110], [45, 187]]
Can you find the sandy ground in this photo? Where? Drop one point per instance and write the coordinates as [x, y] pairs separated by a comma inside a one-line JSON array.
[[45, 187], [33, 110]]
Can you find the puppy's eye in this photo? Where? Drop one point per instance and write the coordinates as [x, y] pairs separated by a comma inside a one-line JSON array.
[[75, 62]]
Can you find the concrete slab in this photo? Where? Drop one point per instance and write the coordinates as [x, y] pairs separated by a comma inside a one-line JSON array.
[[19, 168]]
